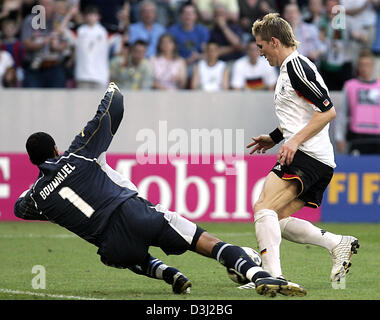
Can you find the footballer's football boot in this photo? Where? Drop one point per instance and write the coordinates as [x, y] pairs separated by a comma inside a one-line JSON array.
[[181, 284], [271, 286], [341, 257]]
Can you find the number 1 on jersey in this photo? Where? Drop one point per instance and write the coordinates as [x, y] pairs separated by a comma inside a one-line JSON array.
[[77, 201]]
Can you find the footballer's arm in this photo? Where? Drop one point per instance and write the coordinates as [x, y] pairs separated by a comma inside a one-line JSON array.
[[264, 142], [317, 122]]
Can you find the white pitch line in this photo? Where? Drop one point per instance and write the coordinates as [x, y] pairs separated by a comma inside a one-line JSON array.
[[46, 295]]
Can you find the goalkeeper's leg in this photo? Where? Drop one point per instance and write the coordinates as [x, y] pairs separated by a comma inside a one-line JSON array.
[[156, 269], [236, 258]]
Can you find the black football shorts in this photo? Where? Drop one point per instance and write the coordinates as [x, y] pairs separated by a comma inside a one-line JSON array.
[[313, 176], [136, 225]]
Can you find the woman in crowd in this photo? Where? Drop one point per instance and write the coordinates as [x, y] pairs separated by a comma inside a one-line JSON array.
[[169, 69]]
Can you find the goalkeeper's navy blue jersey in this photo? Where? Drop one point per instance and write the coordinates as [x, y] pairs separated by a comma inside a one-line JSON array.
[[76, 190]]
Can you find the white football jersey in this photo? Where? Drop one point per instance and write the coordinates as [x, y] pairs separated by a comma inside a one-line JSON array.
[[300, 91]]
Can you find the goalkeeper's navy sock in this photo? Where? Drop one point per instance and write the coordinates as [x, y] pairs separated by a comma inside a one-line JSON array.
[[236, 258], [155, 268]]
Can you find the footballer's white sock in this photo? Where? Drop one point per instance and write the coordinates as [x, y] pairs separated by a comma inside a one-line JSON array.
[[268, 235], [302, 231]]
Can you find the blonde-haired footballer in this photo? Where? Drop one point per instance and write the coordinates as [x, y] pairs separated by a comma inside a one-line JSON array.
[[305, 161]]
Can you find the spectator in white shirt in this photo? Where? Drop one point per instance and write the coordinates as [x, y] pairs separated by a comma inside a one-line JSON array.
[[92, 52], [210, 74], [7, 70], [252, 72]]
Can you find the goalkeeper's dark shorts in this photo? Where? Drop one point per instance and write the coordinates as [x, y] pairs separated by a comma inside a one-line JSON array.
[[136, 225], [312, 175]]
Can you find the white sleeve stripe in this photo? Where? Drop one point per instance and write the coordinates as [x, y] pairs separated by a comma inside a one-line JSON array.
[[309, 84], [300, 72], [299, 66], [68, 156]]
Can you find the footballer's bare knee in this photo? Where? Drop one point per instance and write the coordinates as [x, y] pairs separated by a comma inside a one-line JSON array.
[[276, 195], [291, 208], [205, 244]]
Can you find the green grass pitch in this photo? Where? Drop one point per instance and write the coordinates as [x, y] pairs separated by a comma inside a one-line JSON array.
[[74, 271]]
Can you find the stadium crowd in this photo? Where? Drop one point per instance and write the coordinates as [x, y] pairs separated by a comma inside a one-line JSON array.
[[196, 45], [174, 44]]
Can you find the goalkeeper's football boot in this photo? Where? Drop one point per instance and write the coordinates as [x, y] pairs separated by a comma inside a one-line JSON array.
[[247, 286], [181, 284], [341, 257], [271, 286]]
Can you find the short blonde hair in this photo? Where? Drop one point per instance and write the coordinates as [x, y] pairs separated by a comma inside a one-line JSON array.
[[272, 25]]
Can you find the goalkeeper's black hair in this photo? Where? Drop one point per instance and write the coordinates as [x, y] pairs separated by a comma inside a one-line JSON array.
[[40, 147]]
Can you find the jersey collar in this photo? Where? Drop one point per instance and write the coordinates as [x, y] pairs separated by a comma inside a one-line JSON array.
[[294, 54]]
